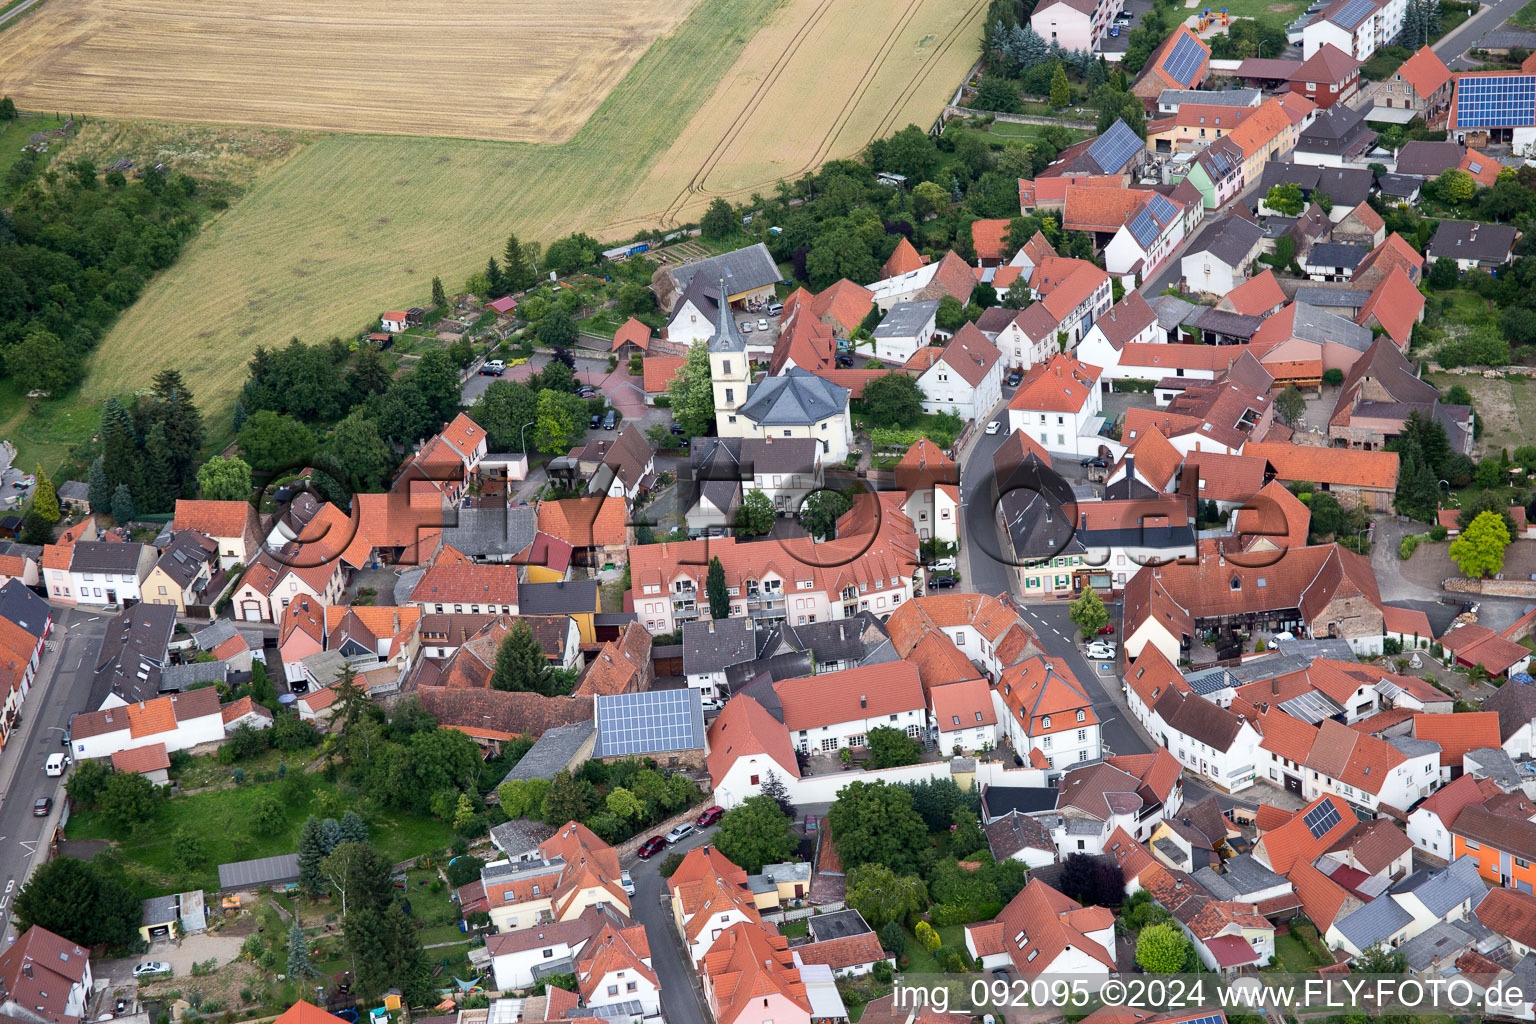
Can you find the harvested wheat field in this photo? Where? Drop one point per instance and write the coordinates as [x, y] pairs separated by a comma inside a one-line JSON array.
[[530, 71], [354, 224]]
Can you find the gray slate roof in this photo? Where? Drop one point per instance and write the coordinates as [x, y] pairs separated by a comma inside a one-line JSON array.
[[1353, 298], [1209, 97], [551, 752], [1172, 311], [134, 650], [905, 319], [252, 874], [216, 633], [713, 646], [1230, 240], [105, 556], [1464, 240], [1336, 254], [1375, 922], [1443, 889], [1399, 186], [179, 678], [74, 490], [1321, 326], [565, 597], [24, 608], [825, 642], [743, 270], [493, 532], [797, 398]]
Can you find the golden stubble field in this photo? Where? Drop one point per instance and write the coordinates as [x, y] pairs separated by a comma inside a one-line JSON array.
[[527, 71], [740, 94]]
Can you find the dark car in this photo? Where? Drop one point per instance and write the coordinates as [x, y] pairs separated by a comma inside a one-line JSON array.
[[1096, 462], [611, 420], [846, 362], [1015, 378], [942, 581], [651, 847], [597, 421], [677, 429], [710, 816], [43, 805]]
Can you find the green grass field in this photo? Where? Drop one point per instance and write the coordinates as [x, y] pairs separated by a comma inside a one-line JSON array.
[[222, 821], [14, 134], [1525, 17]]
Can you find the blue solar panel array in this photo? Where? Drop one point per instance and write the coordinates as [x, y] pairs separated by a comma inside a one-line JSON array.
[[1321, 818], [651, 722], [1114, 149], [1151, 218], [1220, 163], [1184, 59], [1162, 208], [1496, 101], [1353, 13]]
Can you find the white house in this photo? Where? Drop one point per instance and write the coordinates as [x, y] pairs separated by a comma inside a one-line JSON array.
[[1042, 931], [1218, 259], [181, 721], [966, 379], [905, 329], [516, 955], [615, 968], [712, 646], [825, 713], [1429, 824], [1029, 337], [796, 404], [106, 573], [746, 745], [1048, 710], [1358, 27], [1075, 293], [709, 894], [1058, 406], [1129, 322], [274, 581], [1150, 234], [963, 716], [1215, 743], [46, 977]]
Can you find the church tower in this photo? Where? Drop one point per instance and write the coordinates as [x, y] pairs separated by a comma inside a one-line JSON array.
[[729, 370]]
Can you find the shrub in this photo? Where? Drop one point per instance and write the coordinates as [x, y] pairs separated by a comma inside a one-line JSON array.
[[1438, 532], [1391, 646], [1408, 545], [671, 864]]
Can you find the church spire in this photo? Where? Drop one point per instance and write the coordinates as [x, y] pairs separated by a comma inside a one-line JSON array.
[[727, 336]]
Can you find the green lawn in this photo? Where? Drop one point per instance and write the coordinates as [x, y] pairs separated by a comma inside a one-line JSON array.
[[920, 961], [221, 820], [1294, 956], [207, 771], [1280, 9], [14, 134], [1525, 17], [46, 432]]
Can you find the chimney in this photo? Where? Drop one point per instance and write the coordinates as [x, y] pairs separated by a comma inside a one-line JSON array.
[[711, 625]]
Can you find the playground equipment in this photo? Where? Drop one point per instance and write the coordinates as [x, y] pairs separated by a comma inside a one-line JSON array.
[[1209, 18]]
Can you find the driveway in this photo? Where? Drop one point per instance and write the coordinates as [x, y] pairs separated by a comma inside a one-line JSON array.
[[194, 949]]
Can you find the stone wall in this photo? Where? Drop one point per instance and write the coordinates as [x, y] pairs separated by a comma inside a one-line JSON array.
[[1493, 588]]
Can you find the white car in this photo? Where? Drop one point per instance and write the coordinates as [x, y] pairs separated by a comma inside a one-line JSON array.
[[1100, 652], [55, 765], [680, 833], [712, 704], [151, 967], [994, 426], [762, 325], [627, 883]]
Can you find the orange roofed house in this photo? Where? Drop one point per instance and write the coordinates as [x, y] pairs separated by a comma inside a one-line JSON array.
[[556, 881], [1042, 931], [750, 977], [1058, 404], [232, 524], [179, 721], [49, 976]]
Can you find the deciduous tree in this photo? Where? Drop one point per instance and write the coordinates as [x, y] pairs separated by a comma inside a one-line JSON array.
[[754, 833], [875, 822], [1088, 613], [1161, 949], [755, 514], [891, 748], [893, 400], [883, 896], [272, 442], [224, 479], [1479, 550], [79, 901]]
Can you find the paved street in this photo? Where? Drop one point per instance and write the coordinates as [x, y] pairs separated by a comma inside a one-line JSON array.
[[62, 688], [681, 999]]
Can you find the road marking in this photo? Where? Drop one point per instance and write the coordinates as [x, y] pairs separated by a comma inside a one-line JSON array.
[[31, 847]]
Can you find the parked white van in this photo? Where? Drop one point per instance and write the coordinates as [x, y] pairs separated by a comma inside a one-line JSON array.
[[55, 765]]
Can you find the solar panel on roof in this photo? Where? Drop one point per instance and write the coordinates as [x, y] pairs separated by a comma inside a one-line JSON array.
[[1497, 101], [648, 722], [1353, 13], [1185, 57], [1161, 208], [1144, 229], [1321, 818], [1114, 149]]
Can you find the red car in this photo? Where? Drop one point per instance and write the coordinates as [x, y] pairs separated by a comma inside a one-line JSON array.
[[1107, 630], [710, 816], [651, 847]]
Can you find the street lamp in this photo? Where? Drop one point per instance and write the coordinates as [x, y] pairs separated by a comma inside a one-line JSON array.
[[522, 437]]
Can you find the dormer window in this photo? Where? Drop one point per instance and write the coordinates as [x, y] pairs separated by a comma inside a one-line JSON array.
[[1046, 722], [1080, 714], [1237, 584]]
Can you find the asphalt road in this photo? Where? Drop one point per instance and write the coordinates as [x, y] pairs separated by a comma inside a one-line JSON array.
[[682, 999], [62, 688]]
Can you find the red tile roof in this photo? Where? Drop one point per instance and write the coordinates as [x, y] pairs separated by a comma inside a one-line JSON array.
[[1293, 843], [1395, 304], [843, 951], [745, 728], [1425, 71], [658, 372], [138, 760], [1063, 384], [871, 691], [218, 519], [1341, 467], [1458, 733], [990, 237], [971, 355], [1256, 296], [633, 332], [585, 522], [904, 259]]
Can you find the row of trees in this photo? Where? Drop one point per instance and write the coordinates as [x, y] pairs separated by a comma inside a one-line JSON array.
[[615, 801], [150, 452]]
